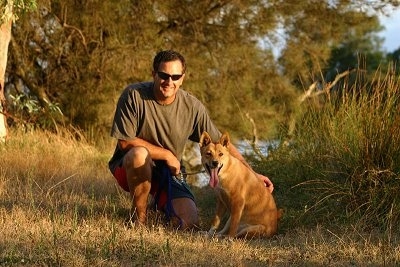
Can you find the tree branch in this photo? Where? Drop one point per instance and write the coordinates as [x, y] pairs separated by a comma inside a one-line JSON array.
[[309, 93]]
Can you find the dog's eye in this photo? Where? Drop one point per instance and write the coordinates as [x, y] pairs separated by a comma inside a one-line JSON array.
[[208, 153], [220, 154]]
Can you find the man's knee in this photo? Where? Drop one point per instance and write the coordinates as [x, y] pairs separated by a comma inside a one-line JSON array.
[[186, 211], [136, 157], [137, 163]]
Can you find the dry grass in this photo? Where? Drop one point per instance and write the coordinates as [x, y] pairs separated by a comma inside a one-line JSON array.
[[60, 206]]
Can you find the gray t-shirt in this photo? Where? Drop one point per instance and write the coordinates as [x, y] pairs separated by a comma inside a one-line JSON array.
[[168, 126]]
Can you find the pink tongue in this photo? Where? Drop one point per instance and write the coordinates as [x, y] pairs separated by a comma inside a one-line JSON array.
[[214, 177]]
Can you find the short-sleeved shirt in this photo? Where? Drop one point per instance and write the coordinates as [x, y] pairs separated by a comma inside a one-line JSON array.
[[139, 115]]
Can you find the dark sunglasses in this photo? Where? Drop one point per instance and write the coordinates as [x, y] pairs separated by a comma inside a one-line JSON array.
[[166, 76]]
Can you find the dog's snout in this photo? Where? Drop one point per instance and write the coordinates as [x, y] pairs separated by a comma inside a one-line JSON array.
[[214, 163]]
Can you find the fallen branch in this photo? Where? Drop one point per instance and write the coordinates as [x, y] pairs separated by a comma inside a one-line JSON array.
[[254, 142], [309, 93], [312, 93], [255, 137]]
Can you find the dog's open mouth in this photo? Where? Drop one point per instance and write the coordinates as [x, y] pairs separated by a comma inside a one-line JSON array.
[[213, 172]]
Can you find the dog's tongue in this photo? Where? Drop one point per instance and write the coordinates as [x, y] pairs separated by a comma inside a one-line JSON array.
[[214, 177]]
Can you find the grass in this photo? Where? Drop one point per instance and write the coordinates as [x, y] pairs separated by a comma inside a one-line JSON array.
[[59, 206], [337, 184], [353, 157]]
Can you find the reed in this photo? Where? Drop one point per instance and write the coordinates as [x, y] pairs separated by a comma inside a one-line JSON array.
[[345, 160]]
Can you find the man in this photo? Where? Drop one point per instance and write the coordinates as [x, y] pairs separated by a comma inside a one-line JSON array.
[[152, 122]]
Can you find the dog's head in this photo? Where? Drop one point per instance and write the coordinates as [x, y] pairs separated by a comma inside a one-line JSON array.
[[214, 155]]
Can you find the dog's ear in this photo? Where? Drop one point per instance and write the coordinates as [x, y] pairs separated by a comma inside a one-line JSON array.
[[225, 140], [205, 139]]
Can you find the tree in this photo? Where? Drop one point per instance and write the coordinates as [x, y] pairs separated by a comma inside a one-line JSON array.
[[7, 9], [90, 54], [81, 54], [361, 45], [395, 58], [5, 36], [315, 32]]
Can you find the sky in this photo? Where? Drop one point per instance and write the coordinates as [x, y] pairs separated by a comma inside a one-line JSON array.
[[392, 31]]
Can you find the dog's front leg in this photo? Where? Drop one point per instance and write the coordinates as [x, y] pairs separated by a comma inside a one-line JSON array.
[[220, 211], [236, 214], [226, 227]]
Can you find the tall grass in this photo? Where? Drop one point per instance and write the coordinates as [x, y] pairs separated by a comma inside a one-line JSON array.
[[60, 206], [346, 157]]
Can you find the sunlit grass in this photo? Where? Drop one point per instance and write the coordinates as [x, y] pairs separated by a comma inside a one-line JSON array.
[[60, 206], [344, 160]]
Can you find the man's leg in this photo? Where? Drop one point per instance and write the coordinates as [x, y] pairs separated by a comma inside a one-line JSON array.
[[138, 166], [186, 211]]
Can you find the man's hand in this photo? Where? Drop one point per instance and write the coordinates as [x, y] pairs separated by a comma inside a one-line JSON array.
[[173, 164], [235, 152], [267, 182]]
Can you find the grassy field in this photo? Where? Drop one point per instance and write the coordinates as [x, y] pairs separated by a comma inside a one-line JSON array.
[[59, 206], [337, 182]]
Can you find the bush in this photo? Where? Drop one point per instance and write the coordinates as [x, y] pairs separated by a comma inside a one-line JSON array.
[[344, 159]]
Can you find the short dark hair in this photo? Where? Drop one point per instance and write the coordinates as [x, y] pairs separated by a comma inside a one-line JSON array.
[[167, 56]]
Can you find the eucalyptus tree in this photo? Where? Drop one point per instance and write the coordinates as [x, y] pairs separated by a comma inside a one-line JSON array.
[[9, 10], [320, 32], [80, 54]]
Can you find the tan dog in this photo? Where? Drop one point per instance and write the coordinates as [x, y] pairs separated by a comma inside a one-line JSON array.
[[252, 208]]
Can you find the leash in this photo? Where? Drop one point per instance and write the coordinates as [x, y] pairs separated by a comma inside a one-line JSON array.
[[184, 173]]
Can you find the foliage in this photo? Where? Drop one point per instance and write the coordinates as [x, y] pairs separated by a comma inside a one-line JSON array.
[[81, 55], [345, 156], [29, 114], [17, 6], [322, 36], [362, 45], [395, 58]]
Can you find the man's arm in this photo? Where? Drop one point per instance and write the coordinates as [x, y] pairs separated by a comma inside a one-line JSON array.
[[156, 152], [235, 152]]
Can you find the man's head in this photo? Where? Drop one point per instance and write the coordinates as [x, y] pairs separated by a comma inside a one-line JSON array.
[[168, 73], [166, 56]]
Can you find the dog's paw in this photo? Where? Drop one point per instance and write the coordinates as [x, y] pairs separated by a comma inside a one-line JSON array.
[[211, 232], [206, 234], [203, 233]]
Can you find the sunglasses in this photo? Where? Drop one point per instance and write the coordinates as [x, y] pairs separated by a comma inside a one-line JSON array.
[[166, 76]]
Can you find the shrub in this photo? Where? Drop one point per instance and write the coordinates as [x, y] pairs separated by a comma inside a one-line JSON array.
[[344, 159]]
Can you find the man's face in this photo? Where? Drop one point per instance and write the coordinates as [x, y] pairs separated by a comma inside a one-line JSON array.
[[167, 81]]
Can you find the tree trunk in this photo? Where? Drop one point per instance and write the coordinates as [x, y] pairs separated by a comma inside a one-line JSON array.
[[5, 37]]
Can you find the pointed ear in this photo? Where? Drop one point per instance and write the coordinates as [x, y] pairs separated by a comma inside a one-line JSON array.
[[205, 139], [225, 140]]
